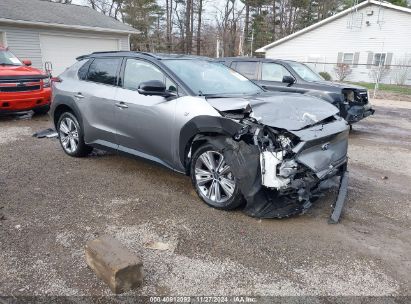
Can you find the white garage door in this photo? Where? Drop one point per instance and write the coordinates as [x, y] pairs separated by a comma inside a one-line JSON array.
[[62, 51]]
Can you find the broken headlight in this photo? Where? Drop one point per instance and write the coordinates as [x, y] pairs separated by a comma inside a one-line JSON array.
[[349, 96]]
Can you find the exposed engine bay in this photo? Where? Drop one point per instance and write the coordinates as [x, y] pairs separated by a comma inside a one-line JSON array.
[[281, 172]]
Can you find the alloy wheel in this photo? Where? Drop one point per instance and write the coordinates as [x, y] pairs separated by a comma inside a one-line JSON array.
[[213, 177], [69, 135]]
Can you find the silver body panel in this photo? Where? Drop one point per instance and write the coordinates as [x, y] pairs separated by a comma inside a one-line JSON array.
[[150, 126]]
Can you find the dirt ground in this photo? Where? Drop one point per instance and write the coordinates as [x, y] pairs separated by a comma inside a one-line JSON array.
[[53, 204]]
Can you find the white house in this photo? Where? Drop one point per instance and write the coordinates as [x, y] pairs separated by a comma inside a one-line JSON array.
[[368, 35], [44, 31]]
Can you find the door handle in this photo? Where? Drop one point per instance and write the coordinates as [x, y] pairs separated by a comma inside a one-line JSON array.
[[121, 105], [79, 96]]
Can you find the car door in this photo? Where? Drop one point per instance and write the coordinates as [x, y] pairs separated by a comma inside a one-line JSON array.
[[271, 78], [144, 122], [95, 97]]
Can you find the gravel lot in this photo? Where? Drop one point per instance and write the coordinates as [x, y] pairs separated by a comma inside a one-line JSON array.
[[52, 204]]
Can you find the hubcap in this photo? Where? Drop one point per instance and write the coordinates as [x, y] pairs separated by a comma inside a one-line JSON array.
[[68, 135], [214, 177]]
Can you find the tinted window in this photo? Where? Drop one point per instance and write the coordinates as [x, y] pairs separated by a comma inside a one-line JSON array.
[[82, 72], [304, 71], [138, 71], [273, 72], [248, 69], [104, 70]]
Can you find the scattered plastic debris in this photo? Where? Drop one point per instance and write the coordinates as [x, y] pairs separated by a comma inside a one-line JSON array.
[[49, 133], [157, 245]]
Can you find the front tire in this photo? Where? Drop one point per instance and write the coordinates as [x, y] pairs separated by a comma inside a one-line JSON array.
[[71, 136], [213, 180]]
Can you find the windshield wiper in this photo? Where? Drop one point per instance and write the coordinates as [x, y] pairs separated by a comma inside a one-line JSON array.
[[4, 64]]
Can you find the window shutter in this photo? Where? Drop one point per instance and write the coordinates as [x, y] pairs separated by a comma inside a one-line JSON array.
[[356, 59], [388, 59], [370, 59], [340, 57]]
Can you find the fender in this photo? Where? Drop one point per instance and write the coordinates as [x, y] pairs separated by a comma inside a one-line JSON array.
[[201, 125], [66, 101]]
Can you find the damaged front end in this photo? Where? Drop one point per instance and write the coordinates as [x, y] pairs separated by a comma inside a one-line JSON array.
[[281, 172], [356, 105]]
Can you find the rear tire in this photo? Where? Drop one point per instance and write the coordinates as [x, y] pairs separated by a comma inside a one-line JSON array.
[[213, 180], [71, 136]]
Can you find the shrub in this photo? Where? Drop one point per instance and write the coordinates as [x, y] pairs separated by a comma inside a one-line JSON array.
[[326, 76]]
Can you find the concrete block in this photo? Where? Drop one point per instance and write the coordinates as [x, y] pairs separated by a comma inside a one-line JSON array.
[[114, 264]]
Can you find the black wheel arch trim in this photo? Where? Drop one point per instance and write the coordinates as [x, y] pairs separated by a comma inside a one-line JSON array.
[[204, 124]]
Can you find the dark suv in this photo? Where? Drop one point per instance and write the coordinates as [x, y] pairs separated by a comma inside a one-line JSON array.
[[295, 77]]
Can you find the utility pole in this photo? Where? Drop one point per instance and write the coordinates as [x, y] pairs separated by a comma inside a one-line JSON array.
[[218, 48], [252, 41]]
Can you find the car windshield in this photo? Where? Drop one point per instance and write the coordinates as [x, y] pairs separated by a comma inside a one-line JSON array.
[[305, 72], [7, 58], [211, 78]]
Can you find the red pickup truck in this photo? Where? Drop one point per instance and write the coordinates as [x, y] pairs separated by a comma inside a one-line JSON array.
[[22, 87]]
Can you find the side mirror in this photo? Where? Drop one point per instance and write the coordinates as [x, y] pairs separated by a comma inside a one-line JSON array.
[[27, 62], [154, 87], [289, 79]]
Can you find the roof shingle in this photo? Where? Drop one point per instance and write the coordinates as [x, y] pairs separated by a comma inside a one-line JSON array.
[[42, 11]]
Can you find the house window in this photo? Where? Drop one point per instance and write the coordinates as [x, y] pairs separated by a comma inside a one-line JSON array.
[[379, 59], [348, 58]]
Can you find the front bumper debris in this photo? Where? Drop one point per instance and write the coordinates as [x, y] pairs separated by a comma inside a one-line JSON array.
[[356, 113], [278, 184], [339, 203]]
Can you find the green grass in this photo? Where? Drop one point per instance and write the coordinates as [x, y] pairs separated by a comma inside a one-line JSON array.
[[406, 90]]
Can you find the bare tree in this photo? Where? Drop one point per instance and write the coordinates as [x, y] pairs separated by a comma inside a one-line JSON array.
[[228, 26], [112, 8], [187, 24], [401, 71], [342, 70], [200, 12], [379, 73]]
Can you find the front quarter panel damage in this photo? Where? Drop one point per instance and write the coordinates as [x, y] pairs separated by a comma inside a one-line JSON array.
[[279, 177], [280, 167]]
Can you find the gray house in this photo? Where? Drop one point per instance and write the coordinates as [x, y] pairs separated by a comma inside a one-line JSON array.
[[45, 31]]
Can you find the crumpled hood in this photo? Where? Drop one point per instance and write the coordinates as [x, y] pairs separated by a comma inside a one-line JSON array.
[[339, 85], [284, 111]]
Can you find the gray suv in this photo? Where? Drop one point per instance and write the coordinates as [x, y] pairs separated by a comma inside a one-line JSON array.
[[272, 153]]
